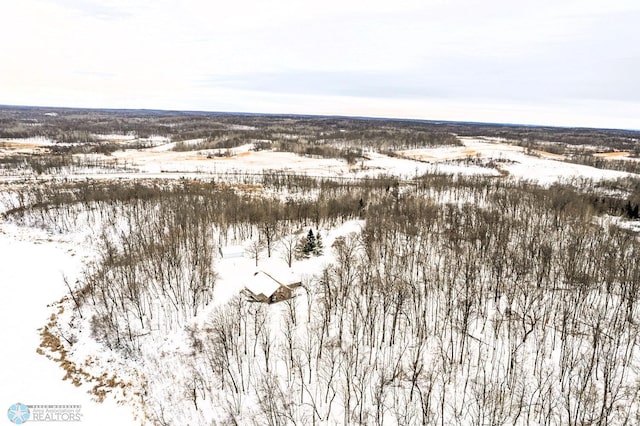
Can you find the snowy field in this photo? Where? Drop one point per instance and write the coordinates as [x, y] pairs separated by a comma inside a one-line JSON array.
[[34, 262], [544, 168], [512, 159], [476, 157]]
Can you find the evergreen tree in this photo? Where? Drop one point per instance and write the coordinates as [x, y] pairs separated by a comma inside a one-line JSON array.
[[310, 246], [300, 249], [319, 248]]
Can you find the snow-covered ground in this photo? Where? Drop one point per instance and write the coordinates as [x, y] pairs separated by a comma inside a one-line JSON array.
[[235, 273], [544, 168], [489, 157], [608, 220], [32, 265], [161, 384], [409, 168], [33, 262], [164, 160], [116, 138]]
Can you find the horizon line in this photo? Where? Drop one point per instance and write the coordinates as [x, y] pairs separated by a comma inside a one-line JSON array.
[[334, 116]]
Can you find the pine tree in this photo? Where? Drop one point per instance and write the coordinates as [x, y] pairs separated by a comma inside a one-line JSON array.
[[310, 246], [300, 249], [319, 248]]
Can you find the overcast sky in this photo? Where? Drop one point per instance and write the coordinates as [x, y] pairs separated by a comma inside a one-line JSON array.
[[558, 62]]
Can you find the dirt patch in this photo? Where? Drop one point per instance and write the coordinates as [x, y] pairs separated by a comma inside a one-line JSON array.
[[548, 154], [19, 146], [52, 347], [616, 154], [233, 157], [193, 158], [423, 157]]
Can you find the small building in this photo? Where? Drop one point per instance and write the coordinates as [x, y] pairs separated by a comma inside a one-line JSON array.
[[266, 289], [231, 252]]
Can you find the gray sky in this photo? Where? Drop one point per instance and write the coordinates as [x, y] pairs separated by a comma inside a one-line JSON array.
[[561, 62]]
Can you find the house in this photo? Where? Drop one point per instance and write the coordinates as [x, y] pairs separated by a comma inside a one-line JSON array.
[[231, 252], [263, 287]]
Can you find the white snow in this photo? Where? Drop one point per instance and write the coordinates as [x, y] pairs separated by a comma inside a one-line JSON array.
[[478, 156], [544, 168], [407, 168], [32, 278], [489, 157], [235, 273], [188, 161], [262, 283], [33, 262], [608, 220], [116, 137]]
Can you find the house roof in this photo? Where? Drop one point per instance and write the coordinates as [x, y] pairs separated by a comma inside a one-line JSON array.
[[285, 276], [262, 283], [232, 251]]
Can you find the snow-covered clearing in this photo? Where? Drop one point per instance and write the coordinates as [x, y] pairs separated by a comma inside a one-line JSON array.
[[485, 156], [33, 264], [408, 168], [544, 168], [116, 138], [234, 273], [476, 157], [157, 161], [242, 159], [607, 220]]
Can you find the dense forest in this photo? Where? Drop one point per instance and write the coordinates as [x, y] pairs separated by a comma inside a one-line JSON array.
[[461, 301]]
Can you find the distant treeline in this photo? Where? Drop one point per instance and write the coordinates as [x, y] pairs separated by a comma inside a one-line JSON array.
[[227, 130]]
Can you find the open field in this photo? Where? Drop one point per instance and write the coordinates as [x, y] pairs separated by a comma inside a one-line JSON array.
[[474, 157]]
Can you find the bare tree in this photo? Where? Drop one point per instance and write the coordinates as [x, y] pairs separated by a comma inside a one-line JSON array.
[[255, 248], [288, 245]]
